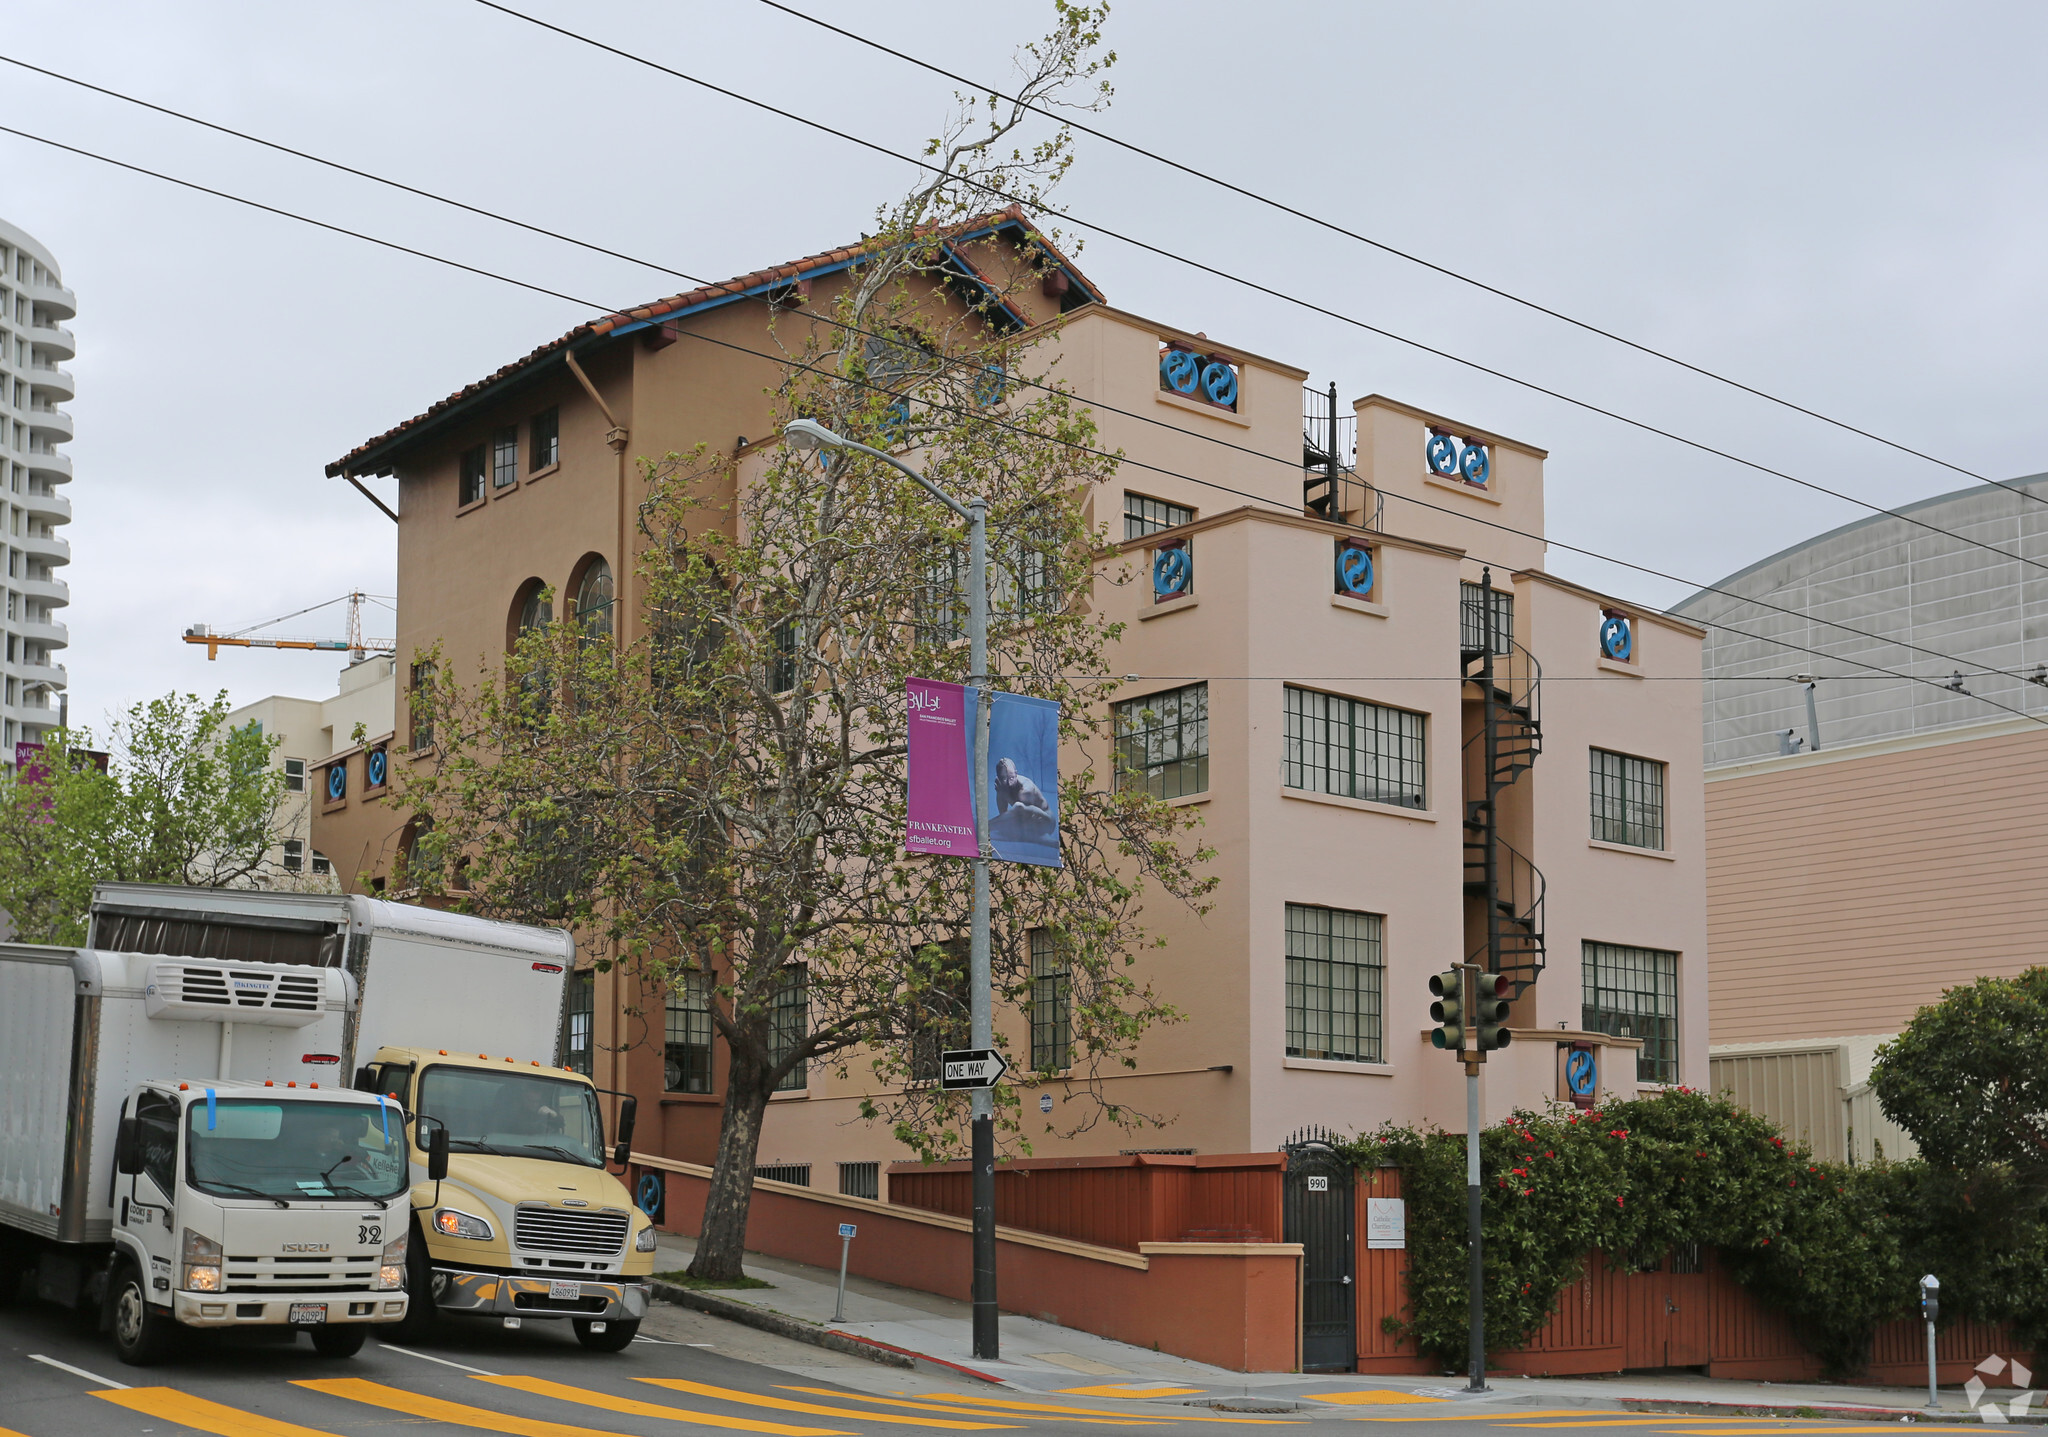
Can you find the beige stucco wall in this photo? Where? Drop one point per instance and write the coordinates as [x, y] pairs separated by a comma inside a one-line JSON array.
[[1851, 886]]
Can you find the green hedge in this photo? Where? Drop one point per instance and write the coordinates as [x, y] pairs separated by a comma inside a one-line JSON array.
[[1839, 1249]]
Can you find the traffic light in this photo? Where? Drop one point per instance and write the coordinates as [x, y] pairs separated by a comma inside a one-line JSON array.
[[1490, 1011], [1448, 1010]]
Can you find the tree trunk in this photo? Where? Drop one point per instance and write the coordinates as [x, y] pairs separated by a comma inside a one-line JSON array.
[[721, 1241]]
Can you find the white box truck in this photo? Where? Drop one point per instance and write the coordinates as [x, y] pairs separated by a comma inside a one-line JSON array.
[[460, 1023], [175, 1149]]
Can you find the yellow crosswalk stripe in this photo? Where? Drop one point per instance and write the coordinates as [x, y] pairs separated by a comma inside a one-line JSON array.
[[1760, 1431], [1374, 1397], [168, 1404], [1129, 1392], [785, 1404], [1615, 1419], [999, 1405], [1078, 1414], [541, 1387], [414, 1404], [1494, 1416]]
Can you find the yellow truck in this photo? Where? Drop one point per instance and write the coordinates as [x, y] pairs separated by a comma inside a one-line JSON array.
[[460, 1021]]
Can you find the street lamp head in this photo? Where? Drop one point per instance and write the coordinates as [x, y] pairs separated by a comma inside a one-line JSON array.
[[809, 435]]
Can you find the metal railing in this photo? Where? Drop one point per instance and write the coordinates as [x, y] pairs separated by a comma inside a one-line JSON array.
[[1330, 486]]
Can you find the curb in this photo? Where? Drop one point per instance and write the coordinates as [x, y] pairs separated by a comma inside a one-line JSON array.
[[797, 1330], [1901, 1415]]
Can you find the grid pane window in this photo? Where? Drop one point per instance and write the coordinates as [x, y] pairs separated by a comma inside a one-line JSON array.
[[687, 1049], [577, 1024], [544, 444], [321, 863], [789, 1017], [470, 468], [941, 1016], [782, 659], [294, 855], [295, 775], [1628, 800], [1144, 515], [1474, 600], [1051, 1005], [1334, 981], [1162, 742], [504, 457], [1633, 993], [942, 598], [1352, 749]]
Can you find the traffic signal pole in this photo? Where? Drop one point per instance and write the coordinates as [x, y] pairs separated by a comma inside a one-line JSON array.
[[1476, 1340]]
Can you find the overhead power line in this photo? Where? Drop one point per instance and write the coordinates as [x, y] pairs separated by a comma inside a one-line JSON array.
[[1193, 172], [1180, 258], [700, 281], [783, 359]]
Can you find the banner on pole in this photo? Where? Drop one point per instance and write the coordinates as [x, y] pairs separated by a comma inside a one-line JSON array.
[[1020, 788]]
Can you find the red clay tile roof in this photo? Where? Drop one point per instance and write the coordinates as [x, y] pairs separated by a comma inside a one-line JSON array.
[[656, 309]]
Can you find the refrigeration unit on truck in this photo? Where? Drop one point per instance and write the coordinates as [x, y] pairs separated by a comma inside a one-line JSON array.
[[460, 1024], [176, 1151]]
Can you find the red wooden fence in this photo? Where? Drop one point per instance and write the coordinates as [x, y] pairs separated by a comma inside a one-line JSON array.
[[1115, 1202]]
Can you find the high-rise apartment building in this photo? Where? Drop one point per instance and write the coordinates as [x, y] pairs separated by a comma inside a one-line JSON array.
[[33, 343]]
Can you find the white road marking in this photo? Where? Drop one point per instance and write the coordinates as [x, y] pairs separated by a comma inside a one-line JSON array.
[[78, 1371], [459, 1367]]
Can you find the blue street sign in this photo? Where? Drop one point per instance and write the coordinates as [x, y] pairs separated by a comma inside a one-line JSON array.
[[1581, 1072], [846, 1229]]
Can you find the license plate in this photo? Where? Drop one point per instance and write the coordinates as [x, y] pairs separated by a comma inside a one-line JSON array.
[[308, 1314], [564, 1289]]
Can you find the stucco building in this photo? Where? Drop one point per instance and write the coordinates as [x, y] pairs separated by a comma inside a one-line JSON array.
[[33, 385], [1854, 881], [1318, 603]]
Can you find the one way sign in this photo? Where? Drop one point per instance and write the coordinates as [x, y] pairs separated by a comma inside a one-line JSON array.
[[971, 1068]]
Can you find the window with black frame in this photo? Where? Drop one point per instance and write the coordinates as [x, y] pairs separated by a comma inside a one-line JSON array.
[[544, 439], [578, 1048], [1051, 1005], [1633, 993], [789, 1018], [1335, 984], [505, 457], [1145, 515], [1353, 749], [687, 1050], [1628, 799], [1474, 603], [1162, 742], [471, 467], [939, 1016]]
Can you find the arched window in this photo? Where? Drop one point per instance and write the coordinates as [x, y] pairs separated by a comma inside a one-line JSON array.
[[594, 600], [532, 611], [537, 611]]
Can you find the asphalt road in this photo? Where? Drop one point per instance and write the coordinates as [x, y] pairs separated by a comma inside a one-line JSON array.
[[687, 1371]]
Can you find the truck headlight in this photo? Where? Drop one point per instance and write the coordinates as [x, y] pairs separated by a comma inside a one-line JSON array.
[[452, 1223], [391, 1266], [644, 1242], [202, 1263]]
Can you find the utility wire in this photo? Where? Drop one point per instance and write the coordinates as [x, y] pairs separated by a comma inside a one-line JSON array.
[[1179, 258], [1063, 118], [727, 285], [1073, 444]]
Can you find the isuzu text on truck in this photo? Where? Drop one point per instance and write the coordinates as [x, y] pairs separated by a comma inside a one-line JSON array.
[[174, 1150], [459, 1025]]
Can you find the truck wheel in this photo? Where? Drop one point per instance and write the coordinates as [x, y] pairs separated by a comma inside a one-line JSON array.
[[614, 1337], [339, 1341], [419, 1291], [142, 1334]]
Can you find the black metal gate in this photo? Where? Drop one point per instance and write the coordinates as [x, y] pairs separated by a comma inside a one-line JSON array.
[[1318, 1205]]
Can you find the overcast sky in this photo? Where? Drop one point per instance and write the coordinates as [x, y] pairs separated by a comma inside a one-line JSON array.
[[1841, 204]]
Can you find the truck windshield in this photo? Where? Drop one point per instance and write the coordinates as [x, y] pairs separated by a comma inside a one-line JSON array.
[[247, 1147], [528, 1115]]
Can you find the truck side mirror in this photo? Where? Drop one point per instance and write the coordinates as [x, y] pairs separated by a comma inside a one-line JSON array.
[[437, 1153], [629, 1109], [127, 1149], [366, 1079]]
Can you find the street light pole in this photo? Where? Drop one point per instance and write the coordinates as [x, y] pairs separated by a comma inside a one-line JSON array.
[[808, 434]]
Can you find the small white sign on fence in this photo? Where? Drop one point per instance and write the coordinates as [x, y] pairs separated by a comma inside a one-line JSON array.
[[1386, 1222]]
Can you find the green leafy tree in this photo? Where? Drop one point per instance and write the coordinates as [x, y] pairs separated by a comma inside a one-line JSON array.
[[725, 794], [1968, 1078], [182, 798]]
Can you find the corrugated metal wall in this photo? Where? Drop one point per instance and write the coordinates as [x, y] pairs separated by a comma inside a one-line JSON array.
[[1800, 1091]]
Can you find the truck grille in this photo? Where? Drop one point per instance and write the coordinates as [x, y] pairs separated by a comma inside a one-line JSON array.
[[547, 1229], [299, 1274]]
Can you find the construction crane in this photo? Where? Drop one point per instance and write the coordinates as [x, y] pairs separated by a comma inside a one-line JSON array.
[[355, 645]]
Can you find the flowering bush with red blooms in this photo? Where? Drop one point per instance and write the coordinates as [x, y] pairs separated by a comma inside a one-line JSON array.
[[1632, 1181]]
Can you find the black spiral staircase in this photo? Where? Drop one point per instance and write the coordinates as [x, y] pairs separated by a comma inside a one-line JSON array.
[[1509, 738]]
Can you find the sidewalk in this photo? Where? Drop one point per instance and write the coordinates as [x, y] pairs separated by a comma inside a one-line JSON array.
[[936, 1333]]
